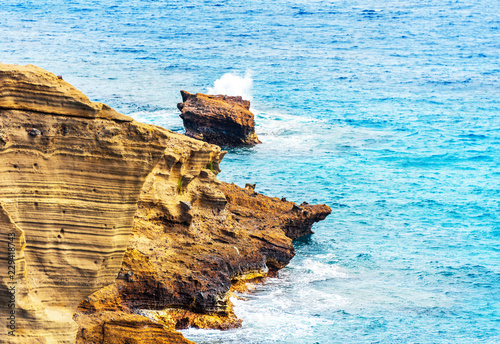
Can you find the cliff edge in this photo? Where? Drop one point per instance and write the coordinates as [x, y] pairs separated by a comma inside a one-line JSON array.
[[116, 231]]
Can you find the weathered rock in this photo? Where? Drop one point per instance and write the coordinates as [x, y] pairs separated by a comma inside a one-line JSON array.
[[103, 319], [221, 120], [32, 88], [183, 270], [125, 328], [88, 194], [71, 174]]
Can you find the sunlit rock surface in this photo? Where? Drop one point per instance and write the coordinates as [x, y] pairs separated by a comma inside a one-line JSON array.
[[218, 119], [115, 231], [71, 174]]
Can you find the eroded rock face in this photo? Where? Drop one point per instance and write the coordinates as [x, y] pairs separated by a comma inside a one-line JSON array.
[[221, 120], [179, 270], [88, 194], [233, 232], [71, 174]]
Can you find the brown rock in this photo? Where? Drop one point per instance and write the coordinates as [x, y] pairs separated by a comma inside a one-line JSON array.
[[125, 328], [183, 271], [219, 119], [232, 232]]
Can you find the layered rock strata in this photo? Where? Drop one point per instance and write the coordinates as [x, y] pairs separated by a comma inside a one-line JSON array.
[[128, 217], [179, 269], [218, 119], [72, 171]]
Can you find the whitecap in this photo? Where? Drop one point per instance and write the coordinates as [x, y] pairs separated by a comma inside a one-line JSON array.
[[313, 270]]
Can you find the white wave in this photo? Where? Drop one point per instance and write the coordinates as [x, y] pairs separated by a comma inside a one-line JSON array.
[[233, 85], [276, 123], [318, 301], [283, 131], [273, 305], [313, 270]]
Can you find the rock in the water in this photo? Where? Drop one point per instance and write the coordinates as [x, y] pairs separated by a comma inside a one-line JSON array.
[[219, 119]]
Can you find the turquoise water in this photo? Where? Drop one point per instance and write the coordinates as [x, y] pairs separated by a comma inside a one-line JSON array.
[[388, 111]]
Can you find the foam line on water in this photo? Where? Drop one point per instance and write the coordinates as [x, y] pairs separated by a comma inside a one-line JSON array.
[[293, 133]]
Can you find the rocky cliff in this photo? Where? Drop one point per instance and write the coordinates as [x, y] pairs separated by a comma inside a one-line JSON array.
[[117, 231], [180, 272], [218, 119]]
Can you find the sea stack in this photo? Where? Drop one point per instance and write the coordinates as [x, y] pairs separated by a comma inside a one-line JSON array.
[[218, 119]]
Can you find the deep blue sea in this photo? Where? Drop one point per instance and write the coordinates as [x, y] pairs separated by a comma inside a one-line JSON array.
[[388, 111]]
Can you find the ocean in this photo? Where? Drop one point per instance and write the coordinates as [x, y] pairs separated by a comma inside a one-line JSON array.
[[387, 111]]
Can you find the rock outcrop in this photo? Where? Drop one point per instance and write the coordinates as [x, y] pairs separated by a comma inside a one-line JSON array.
[[71, 174], [218, 119], [179, 271], [119, 232]]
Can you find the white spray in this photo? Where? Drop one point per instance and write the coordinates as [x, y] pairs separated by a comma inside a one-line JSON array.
[[233, 85]]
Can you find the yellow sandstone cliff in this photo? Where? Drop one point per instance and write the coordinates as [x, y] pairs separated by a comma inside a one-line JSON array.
[[119, 232], [71, 173]]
